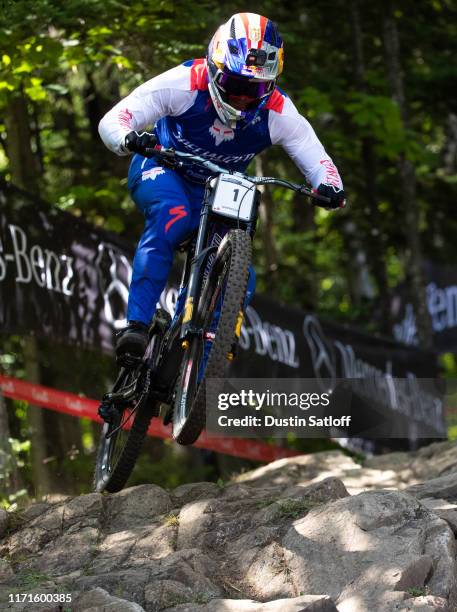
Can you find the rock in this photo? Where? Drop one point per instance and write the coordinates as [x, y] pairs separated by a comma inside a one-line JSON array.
[[389, 461], [133, 548], [302, 469], [99, 600], [137, 506], [442, 549], [6, 571], [444, 487], [372, 544], [194, 520], [444, 509], [323, 491], [305, 603], [255, 544], [161, 594], [193, 569], [55, 560], [415, 573], [194, 491], [127, 584], [85, 510], [3, 521], [391, 601], [34, 511], [427, 603], [51, 520]]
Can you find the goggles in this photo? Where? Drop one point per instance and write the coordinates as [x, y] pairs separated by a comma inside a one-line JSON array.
[[241, 92]]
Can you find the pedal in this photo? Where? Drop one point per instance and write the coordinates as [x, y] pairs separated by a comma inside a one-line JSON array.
[[105, 411], [160, 322]]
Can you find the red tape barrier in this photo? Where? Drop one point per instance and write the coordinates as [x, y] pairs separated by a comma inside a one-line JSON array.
[[69, 403]]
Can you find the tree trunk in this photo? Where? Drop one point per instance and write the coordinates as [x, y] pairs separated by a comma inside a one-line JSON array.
[[408, 183], [266, 216], [304, 223], [38, 434], [24, 174], [7, 462], [22, 162], [374, 245]]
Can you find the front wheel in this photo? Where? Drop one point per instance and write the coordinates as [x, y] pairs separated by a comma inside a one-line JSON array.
[[226, 283], [122, 437]]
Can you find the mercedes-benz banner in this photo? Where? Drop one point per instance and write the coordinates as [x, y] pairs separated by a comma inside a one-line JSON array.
[[61, 277]]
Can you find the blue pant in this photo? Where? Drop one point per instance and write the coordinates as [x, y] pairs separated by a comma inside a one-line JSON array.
[[171, 207]]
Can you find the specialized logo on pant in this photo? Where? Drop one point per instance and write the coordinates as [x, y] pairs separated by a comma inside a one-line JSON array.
[[176, 213]]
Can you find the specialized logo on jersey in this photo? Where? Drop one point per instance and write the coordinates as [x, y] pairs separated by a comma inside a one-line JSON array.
[[176, 213], [331, 177], [125, 118], [152, 173], [221, 132]]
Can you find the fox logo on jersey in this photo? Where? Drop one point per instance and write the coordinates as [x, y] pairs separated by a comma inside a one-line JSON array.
[[221, 132]]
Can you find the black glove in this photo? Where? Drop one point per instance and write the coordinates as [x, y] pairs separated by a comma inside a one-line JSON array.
[[140, 143], [337, 196]]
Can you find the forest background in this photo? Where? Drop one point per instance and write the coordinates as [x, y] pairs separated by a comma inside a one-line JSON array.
[[376, 80]]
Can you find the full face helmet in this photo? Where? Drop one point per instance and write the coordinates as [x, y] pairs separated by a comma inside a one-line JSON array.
[[245, 57]]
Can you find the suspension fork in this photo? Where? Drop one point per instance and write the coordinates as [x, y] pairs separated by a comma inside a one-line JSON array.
[[190, 325]]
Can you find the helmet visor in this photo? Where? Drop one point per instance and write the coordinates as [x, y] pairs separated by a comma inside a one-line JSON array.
[[241, 92]]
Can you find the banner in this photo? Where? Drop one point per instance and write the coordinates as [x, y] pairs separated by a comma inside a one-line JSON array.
[[69, 403], [60, 276], [441, 295]]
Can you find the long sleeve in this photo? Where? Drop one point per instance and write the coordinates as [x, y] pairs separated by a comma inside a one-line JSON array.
[[294, 133], [169, 93]]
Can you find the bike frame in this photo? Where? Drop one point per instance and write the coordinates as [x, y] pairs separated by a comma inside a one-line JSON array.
[[203, 251], [198, 254]]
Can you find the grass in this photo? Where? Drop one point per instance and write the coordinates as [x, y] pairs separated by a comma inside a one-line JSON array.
[[294, 508], [29, 580], [266, 502], [198, 598], [417, 591], [172, 520]]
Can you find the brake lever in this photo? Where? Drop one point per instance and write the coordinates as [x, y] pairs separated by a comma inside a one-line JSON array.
[[314, 195], [167, 156]]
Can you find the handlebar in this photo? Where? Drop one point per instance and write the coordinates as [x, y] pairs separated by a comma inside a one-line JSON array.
[[178, 159]]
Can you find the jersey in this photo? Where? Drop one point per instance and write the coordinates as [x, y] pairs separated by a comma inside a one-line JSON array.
[[179, 105]]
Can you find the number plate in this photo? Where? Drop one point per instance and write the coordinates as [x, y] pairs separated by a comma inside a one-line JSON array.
[[234, 197]]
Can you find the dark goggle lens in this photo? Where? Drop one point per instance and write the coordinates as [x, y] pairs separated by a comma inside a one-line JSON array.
[[239, 86]]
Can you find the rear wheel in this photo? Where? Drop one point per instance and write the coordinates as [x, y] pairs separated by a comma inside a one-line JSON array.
[[227, 281]]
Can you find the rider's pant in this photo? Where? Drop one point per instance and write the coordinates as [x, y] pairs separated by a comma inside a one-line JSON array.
[[171, 207]]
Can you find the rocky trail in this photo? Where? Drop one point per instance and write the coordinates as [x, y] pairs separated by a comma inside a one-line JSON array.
[[314, 533]]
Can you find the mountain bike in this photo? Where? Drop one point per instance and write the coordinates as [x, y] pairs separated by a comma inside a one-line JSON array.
[[200, 340]]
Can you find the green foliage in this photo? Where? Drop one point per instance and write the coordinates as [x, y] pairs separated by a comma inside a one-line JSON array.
[[417, 591], [71, 61], [379, 117]]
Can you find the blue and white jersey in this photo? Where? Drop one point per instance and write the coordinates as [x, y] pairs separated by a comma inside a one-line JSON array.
[[180, 107]]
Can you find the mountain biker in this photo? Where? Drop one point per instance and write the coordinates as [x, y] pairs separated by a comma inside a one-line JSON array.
[[226, 108]]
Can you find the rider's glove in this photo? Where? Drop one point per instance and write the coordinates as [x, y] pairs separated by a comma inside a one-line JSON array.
[[337, 196], [140, 143]]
